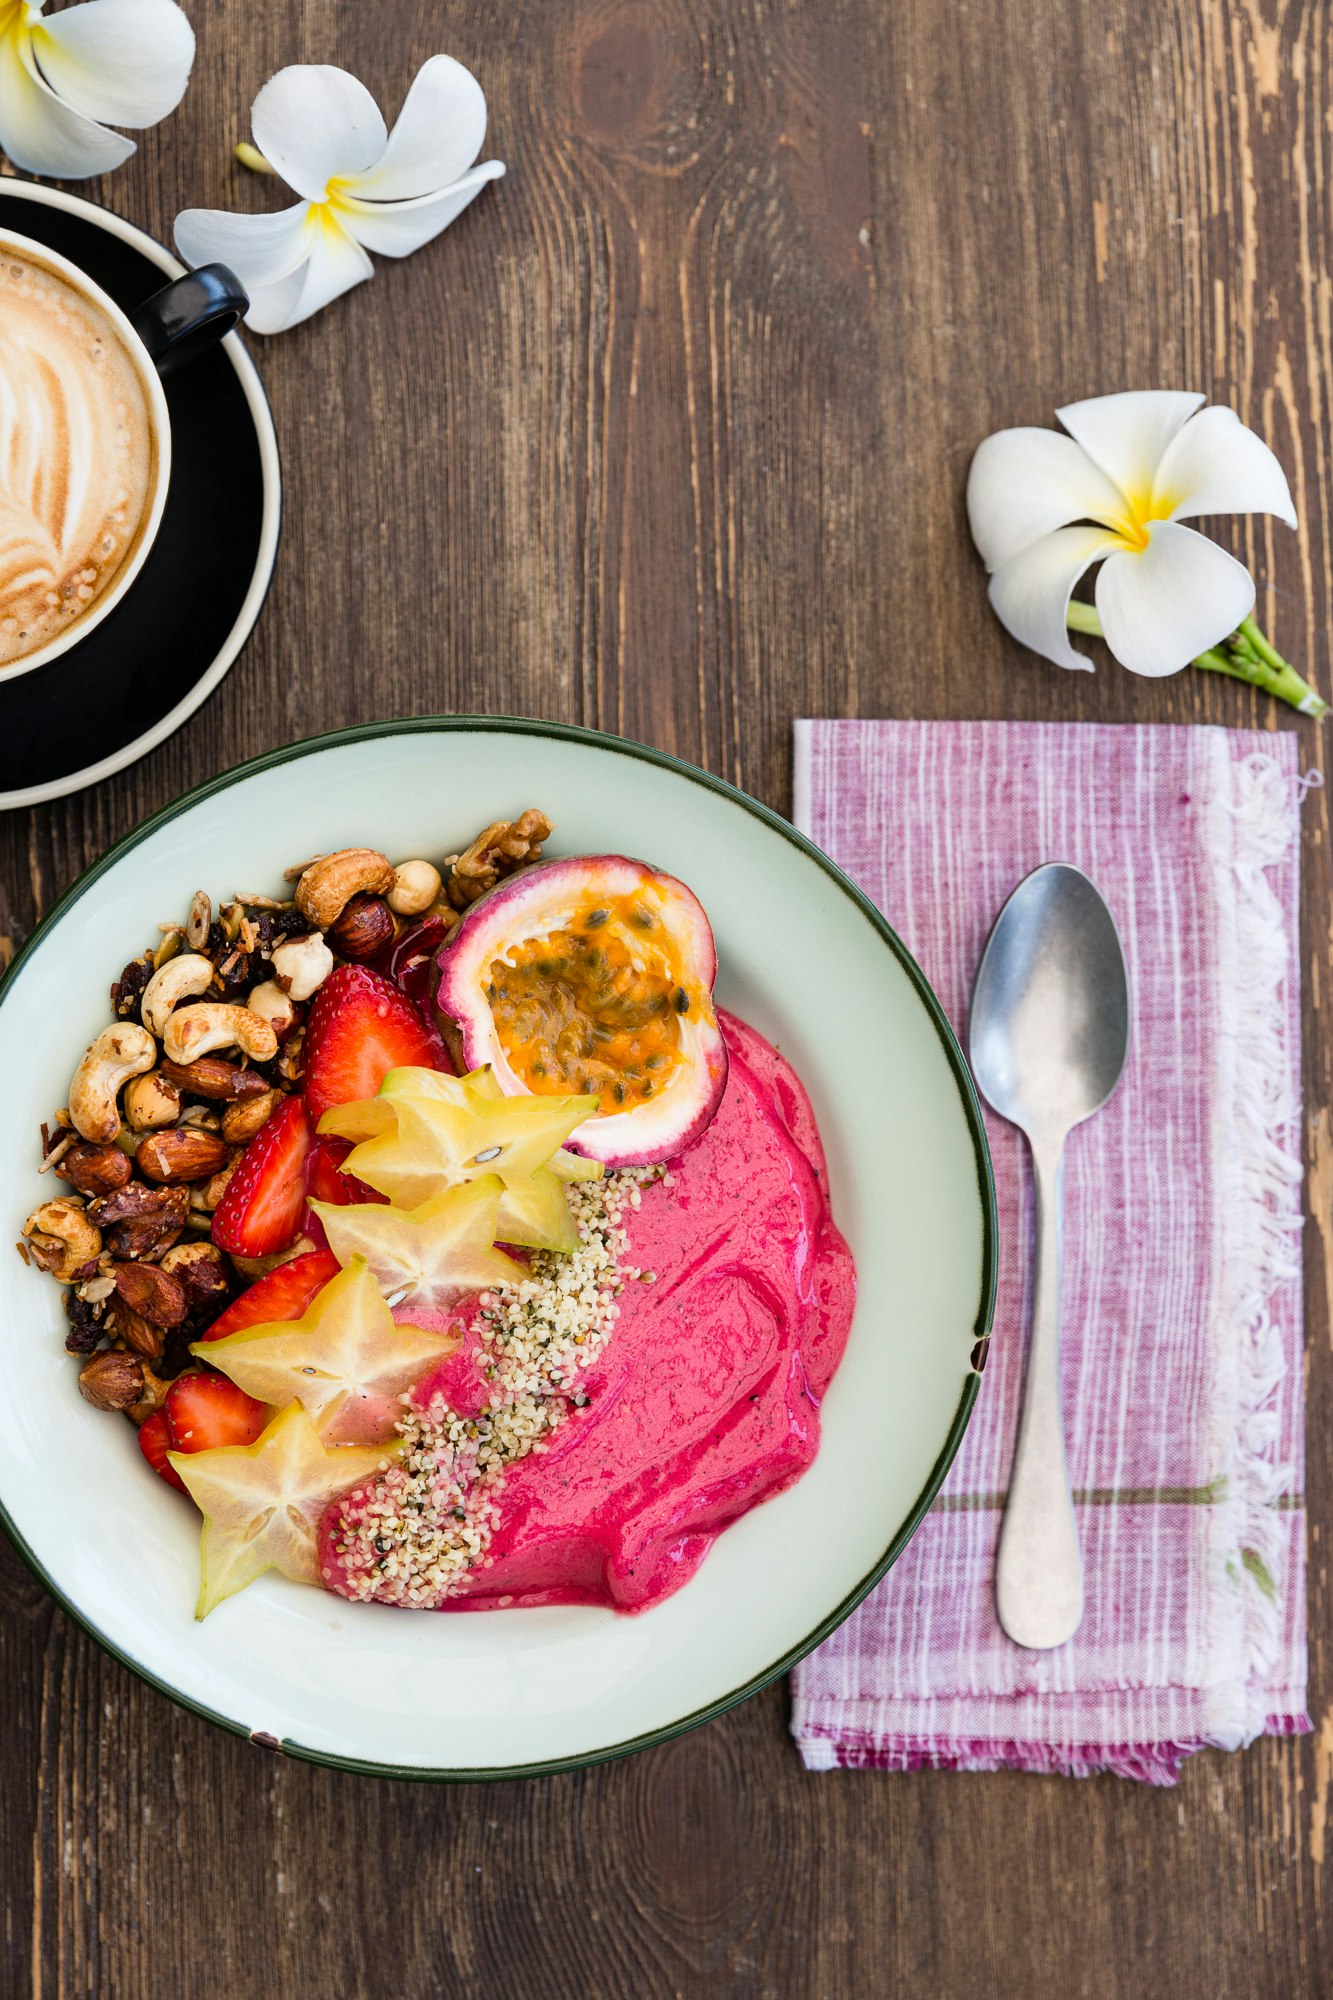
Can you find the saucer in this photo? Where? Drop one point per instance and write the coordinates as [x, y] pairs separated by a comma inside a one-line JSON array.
[[161, 652]]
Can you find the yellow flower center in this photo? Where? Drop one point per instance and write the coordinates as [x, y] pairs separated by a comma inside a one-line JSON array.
[[1143, 507]]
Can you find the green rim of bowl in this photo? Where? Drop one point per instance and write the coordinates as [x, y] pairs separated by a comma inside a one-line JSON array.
[[569, 733]]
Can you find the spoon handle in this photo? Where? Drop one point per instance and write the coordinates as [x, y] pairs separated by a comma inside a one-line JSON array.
[[1039, 1571]]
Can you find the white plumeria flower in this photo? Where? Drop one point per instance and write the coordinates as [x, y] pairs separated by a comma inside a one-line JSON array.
[[123, 61], [361, 186], [1043, 508]]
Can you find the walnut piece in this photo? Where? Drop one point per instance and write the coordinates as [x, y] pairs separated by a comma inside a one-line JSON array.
[[500, 850]]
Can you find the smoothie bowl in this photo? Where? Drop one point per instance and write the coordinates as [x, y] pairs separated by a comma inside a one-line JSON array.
[[471, 1211]]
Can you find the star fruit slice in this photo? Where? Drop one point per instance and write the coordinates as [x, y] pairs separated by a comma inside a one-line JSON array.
[[425, 1132], [482, 1092], [430, 1257], [262, 1502], [346, 1360]]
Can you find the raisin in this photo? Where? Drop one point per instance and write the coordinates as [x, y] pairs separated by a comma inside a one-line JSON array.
[[85, 1324], [275, 925], [239, 971], [128, 989]]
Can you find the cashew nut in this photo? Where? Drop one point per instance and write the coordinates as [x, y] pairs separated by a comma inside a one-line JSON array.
[[196, 1031], [301, 965], [416, 884], [151, 1102], [274, 1006], [177, 980], [61, 1239], [328, 885], [119, 1053]]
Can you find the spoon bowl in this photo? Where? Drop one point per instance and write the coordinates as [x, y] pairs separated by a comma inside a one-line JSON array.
[[1050, 1010]]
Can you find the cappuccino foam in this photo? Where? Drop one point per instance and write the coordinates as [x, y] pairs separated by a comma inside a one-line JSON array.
[[77, 455]]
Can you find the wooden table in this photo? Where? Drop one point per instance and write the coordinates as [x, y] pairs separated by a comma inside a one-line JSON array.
[[668, 435]]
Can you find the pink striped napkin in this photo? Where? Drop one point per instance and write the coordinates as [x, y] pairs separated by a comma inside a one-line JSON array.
[[1183, 1311]]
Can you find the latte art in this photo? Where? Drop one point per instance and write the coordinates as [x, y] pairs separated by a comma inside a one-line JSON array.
[[77, 455]]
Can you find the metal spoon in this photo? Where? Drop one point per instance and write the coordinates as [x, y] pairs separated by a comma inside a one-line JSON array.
[[1049, 1031]]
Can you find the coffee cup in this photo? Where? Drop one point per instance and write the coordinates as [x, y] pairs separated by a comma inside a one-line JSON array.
[[85, 437]]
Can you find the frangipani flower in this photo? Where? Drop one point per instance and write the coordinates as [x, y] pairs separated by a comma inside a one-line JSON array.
[[362, 187], [1117, 490], [125, 61]]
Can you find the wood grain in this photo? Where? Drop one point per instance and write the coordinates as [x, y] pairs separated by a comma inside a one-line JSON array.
[[668, 435]]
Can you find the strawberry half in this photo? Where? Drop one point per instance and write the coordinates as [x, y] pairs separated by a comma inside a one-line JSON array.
[[280, 1294], [361, 1026], [325, 1182], [205, 1411], [264, 1201], [155, 1443]]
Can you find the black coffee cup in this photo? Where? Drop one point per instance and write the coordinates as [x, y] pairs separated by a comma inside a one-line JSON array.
[[190, 315], [167, 332]]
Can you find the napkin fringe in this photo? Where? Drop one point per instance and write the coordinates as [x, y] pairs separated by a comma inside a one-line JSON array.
[[1249, 830], [1149, 1763]]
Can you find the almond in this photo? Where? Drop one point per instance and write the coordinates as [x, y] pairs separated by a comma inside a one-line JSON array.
[[185, 1154], [112, 1380], [136, 1333], [94, 1169], [153, 1293], [211, 1077]]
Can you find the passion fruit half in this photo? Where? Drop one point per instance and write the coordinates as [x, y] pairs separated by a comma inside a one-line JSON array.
[[595, 976]]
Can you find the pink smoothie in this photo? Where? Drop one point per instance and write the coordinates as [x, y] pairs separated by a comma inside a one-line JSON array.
[[706, 1398]]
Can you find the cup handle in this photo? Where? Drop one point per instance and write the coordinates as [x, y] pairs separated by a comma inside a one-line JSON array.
[[190, 315]]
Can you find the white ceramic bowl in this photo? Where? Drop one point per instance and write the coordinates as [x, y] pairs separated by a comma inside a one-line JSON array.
[[501, 1693]]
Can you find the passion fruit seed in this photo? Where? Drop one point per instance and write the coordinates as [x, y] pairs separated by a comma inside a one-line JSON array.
[[587, 1017]]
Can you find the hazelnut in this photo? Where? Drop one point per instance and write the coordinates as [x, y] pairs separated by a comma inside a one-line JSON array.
[[302, 965], [241, 1121], [363, 930], [112, 1380], [94, 1169], [205, 1198], [274, 1006], [151, 1102], [416, 884]]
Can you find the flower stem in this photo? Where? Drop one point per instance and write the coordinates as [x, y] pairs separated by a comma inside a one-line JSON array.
[[250, 156], [1246, 656]]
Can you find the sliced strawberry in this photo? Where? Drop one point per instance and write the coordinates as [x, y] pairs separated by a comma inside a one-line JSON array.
[[283, 1293], [264, 1201], [325, 1182], [361, 1026], [204, 1411], [155, 1443]]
